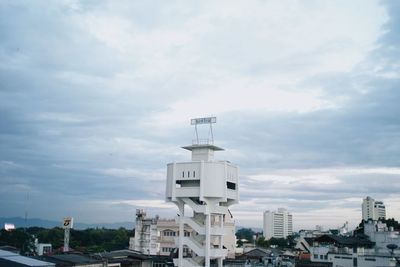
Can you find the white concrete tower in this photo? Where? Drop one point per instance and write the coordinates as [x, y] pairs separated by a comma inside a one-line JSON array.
[[206, 187]]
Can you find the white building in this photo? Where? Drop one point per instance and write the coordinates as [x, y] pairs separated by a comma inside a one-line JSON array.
[[155, 236], [203, 189], [277, 224], [350, 257], [372, 209], [42, 248], [146, 236], [381, 234], [351, 251], [370, 250]]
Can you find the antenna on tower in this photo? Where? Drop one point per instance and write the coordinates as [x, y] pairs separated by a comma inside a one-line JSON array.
[[210, 137], [26, 210]]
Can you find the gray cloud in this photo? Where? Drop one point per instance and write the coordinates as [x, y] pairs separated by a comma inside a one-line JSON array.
[[80, 85]]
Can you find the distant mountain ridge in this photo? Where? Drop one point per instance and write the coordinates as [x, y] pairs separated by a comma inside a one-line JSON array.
[[20, 222]]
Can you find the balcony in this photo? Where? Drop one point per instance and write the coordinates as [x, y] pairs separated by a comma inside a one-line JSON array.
[[187, 192]]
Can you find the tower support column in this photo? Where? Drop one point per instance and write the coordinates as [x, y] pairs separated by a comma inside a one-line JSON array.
[[221, 238], [181, 207], [66, 240], [208, 240]]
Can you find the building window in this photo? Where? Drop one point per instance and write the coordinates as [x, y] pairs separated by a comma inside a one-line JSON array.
[[188, 174], [164, 249], [187, 233], [230, 185], [194, 174], [183, 174], [46, 249], [168, 233], [315, 256]]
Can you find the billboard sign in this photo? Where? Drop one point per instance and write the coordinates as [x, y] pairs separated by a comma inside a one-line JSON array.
[[207, 120], [68, 223]]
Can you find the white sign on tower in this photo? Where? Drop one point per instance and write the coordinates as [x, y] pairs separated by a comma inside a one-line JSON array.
[[205, 120], [68, 223]]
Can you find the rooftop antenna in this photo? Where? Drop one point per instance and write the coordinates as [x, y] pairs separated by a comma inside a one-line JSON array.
[[26, 210], [206, 120]]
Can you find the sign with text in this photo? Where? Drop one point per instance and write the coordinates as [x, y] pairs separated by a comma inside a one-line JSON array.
[[206, 120], [68, 222]]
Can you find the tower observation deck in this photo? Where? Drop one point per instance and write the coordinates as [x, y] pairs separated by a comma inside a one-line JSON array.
[[208, 187]]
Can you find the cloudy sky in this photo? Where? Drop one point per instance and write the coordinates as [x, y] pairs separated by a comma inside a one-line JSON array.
[[96, 98]]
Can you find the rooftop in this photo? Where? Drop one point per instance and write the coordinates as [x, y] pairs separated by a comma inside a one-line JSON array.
[[345, 241], [8, 258], [207, 146], [70, 258]]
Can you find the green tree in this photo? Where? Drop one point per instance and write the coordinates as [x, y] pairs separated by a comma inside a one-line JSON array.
[[245, 233], [88, 240], [279, 242], [54, 236], [391, 223], [291, 241], [261, 242], [18, 238]]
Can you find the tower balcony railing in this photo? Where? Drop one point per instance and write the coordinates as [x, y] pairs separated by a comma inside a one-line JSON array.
[[187, 191], [202, 142]]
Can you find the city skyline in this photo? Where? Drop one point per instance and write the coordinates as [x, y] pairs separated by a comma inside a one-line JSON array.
[[96, 98]]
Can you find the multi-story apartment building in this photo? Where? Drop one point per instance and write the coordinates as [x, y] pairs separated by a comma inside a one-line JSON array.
[[372, 209], [167, 231], [277, 224], [155, 236], [146, 234]]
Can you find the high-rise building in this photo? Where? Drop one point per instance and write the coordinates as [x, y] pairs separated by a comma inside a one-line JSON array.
[[277, 224], [372, 209]]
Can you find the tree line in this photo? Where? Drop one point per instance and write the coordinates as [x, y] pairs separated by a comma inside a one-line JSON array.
[[258, 239], [87, 241]]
